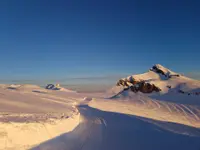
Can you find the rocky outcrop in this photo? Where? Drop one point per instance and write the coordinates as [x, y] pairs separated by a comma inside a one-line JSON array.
[[157, 70], [174, 75], [163, 71], [122, 82], [148, 88], [138, 86], [53, 87], [188, 93]]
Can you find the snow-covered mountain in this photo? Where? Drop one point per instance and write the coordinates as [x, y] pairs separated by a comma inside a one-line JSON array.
[[158, 79]]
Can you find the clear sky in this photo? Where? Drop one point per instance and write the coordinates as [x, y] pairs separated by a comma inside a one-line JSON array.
[[58, 39]]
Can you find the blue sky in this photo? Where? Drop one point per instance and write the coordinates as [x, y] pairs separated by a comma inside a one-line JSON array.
[[59, 39]]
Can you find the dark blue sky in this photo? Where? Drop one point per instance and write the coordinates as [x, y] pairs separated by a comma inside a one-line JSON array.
[[45, 39]]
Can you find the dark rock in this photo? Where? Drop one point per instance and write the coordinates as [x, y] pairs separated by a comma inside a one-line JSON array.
[[141, 86], [169, 86], [159, 71], [174, 75], [180, 91]]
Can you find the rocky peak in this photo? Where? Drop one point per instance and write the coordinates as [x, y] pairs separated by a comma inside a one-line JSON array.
[[143, 82], [164, 71]]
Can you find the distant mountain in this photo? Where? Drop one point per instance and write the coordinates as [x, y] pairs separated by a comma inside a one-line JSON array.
[[158, 79]]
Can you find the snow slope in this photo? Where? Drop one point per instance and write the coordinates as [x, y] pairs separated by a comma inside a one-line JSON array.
[[28, 133], [144, 106], [179, 88], [50, 119], [117, 125], [30, 115]]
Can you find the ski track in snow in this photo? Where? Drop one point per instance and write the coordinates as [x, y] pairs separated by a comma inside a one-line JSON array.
[[112, 131]]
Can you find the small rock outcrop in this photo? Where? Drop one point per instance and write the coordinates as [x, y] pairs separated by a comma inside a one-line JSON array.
[[53, 87]]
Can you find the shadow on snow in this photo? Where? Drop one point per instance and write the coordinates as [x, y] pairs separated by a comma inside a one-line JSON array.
[[100, 130]]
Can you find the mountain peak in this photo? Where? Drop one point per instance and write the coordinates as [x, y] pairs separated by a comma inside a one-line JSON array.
[[149, 81], [163, 70], [159, 66], [158, 79]]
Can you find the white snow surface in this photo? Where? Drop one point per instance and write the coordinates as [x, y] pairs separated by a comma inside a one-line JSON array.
[[38, 119], [139, 123], [30, 115]]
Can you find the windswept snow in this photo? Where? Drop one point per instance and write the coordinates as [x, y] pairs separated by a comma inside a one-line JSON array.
[[30, 115], [24, 135], [35, 118], [114, 125], [143, 106]]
